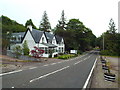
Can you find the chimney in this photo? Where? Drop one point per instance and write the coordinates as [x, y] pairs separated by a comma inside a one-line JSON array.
[[30, 27]]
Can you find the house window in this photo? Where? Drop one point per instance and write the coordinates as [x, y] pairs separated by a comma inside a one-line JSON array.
[[62, 49], [46, 50], [19, 38], [59, 49], [43, 40], [13, 38], [42, 48], [53, 41]]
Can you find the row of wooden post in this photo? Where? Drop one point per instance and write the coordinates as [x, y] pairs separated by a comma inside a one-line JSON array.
[[107, 74]]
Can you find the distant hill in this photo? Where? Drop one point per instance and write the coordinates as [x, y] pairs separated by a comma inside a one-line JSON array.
[[11, 26]]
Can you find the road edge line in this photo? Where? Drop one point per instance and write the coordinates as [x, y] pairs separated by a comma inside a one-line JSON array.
[[86, 83]]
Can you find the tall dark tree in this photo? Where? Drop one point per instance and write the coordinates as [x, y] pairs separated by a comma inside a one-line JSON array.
[[111, 40], [62, 22], [112, 27], [29, 22], [77, 36], [45, 24]]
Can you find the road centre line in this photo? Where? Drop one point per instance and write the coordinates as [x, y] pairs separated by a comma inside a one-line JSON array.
[[32, 67], [12, 87], [77, 62], [10, 72], [49, 74], [46, 65], [52, 63]]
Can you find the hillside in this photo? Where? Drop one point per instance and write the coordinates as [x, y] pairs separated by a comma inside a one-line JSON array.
[[11, 26]]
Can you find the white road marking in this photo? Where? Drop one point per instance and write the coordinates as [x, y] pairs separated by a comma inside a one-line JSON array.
[[46, 65], [32, 67], [53, 63], [59, 62], [49, 74], [12, 87], [86, 83], [10, 72], [77, 62]]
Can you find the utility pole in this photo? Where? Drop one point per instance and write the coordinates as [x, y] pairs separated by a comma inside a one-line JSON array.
[[103, 42]]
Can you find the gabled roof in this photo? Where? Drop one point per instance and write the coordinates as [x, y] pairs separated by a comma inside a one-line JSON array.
[[37, 35], [49, 36], [17, 34], [20, 34], [58, 38]]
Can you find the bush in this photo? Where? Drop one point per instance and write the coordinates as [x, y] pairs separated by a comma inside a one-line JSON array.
[[108, 52], [66, 56], [61, 54], [80, 52], [17, 50], [50, 56]]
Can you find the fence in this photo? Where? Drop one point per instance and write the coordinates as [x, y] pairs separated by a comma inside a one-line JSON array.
[[22, 57]]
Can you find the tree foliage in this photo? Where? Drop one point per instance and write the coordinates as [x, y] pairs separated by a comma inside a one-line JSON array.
[[17, 50], [9, 26], [62, 22], [111, 40], [45, 24], [29, 22], [25, 48], [77, 36]]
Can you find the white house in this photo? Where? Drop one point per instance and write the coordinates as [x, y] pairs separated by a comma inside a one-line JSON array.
[[40, 39]]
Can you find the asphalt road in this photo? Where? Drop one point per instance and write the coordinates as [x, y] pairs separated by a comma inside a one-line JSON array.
[[71, 73]]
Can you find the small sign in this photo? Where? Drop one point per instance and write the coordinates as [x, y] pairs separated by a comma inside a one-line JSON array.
[[73, 51]]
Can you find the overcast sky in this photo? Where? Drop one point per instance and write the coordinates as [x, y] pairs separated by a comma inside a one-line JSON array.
[[95, 14]]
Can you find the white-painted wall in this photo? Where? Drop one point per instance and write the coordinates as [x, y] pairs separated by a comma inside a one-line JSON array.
[[30, 41], [45, 40], [54, 41]]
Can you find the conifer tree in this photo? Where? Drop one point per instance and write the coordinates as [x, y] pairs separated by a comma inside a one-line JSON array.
[[45, 24], [62, 22]]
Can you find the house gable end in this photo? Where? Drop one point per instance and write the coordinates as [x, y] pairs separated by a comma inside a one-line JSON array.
[[28, 32], [54, 41], [43, 38]]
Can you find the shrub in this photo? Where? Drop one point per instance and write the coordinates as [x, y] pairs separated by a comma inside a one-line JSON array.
[[79, 52], [50, 56], [17, 50], [66, 56], [25, 48], [108, 52]]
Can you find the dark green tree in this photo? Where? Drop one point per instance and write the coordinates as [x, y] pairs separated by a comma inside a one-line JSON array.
[[29, 22], [77, 36], [62, 22], [45, 24], [111, 40]]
